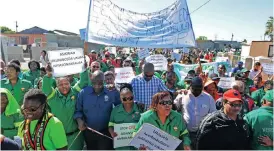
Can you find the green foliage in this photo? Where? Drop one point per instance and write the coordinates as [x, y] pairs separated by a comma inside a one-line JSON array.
[[6, 30], [269, 28], [202, 38]]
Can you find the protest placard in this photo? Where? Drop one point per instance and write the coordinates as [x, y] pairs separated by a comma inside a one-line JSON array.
[[225, 82], [221, 59], [124, 75], [159, 62], [154, 139], [176, 56], [124, 134], [66, 62], [143, 53], [268, 68]]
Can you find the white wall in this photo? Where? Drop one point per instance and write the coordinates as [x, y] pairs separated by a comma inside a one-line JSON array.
[[15, 52]]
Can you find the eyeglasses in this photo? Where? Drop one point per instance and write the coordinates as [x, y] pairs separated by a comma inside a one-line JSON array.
[[169, 102], [96, 67], [235, 105], [128, 98], [31, 109]]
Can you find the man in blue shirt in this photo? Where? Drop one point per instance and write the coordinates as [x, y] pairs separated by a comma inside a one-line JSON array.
[[238, 68], [93, 109]]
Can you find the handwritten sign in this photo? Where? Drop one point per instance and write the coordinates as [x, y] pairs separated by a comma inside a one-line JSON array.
[[225, 82], [159, 62], [66, 62], [154, 139], [143, 53], [124, 75], [124, 134], [268, 68], [109, 24]]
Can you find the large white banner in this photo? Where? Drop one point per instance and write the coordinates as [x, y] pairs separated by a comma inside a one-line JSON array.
[[109, 24], [66, 62], [154, 139]]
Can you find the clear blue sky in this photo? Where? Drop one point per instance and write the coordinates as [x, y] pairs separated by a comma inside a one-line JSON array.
[[221, 18]]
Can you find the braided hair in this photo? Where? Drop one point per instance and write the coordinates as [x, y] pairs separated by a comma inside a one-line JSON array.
[[39, 96]]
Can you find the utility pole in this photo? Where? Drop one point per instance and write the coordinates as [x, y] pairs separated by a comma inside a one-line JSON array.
[[16, 26], [232, 37], [216, 37]]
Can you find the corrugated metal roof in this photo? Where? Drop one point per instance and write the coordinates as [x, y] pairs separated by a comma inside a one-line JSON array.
[[34, 30]]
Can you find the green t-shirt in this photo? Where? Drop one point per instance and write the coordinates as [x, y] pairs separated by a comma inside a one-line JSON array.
[[18, 90], [119, 116], [257, 96], [260, 123], [31, 76], [10, 124], [54, 135], [173, 125]]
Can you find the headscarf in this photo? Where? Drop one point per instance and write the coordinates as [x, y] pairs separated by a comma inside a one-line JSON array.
[[12, 107]]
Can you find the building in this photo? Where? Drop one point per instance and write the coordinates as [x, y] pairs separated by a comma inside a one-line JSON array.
[[261, 48], [218, 44]]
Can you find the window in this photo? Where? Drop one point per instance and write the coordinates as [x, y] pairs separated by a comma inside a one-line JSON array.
[[38, 41], [270, 51]]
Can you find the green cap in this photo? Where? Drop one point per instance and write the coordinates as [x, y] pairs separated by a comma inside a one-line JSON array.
[[244, 70], [268, 96]]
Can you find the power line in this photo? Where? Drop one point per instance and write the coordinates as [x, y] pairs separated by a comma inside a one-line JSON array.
[[200, 7]]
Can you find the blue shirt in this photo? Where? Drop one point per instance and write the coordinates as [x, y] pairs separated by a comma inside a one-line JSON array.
[[237, 69], [144, 90], [95, 109]]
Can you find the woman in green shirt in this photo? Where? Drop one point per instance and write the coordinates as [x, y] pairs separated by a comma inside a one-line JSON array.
[[163, 117], [10, 114], [40, 129], [33, 72], [62, 102], [127, 112]]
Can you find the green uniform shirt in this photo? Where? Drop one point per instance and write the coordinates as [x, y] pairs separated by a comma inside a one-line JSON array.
[[248, 83], [260, 122], [257, 96], [173, 125], [54, 135], [10, 124], [18, 90], [75, 80], [63, 107], [31, 76], [119, 116]]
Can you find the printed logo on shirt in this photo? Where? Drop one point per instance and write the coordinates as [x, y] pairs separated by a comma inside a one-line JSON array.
[[204, 106], [175, 128], [106, 98], [72, 97], [23, 89]]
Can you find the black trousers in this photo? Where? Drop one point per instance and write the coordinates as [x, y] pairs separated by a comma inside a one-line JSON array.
[[95, 141], [193, 139]]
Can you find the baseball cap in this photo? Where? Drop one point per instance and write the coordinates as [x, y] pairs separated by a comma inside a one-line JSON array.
[[244, 70], [268, 96], [232, 95], [240, 63], [197, 81], [214, 76]]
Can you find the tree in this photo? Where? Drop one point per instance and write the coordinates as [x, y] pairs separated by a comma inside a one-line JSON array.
[[6, 30], [269, 28], [202, 38], [244, 41]]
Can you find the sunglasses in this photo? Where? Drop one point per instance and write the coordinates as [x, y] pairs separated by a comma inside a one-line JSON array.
[[31, 109], [149, 76], [235, 105], [128, 99], [96, 67], [169, 102]]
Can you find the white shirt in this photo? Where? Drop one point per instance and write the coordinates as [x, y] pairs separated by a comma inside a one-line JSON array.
[[253, 73], [43, 61], [194, 109]]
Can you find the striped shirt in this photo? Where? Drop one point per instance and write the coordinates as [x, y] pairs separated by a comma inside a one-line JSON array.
[[144, 90]]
